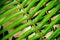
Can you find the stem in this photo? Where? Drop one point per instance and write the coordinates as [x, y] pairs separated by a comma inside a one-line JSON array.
[[20, 20], [44, 19], [17, 21], [12, 16], [45, 9], [10, 4], [47, 29], [26, 10], [25, 2], [53, 34], [40, 4], [9, 11]]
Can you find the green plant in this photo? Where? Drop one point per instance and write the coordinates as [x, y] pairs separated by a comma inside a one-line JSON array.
[[43, 17]]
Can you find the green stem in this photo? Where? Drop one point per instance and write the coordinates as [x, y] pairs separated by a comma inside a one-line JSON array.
[[12, 16], [28, 22], [52, 22], [45, 9], [53, 34], [11, 26], [26, 34], [27, 9], [36, 36], [52, 13], [12, 33], [17, 21], [47, 29], [8, 28], [9, 11], [6, 6], [40, 4], [12, 3], [25, 2], [49, 16], [20, 20]]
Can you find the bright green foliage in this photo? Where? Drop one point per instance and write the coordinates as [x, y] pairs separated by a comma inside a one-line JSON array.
[[48, 9]]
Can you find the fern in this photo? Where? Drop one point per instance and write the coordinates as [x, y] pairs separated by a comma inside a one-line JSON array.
[[19, 11]]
